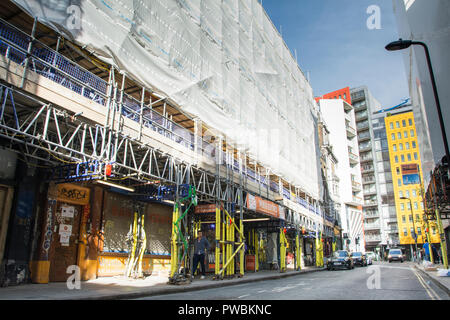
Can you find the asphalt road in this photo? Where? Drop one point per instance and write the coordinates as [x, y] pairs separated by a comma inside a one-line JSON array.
[[381, 281]]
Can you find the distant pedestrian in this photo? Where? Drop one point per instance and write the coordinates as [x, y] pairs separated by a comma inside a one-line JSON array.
[[436, 256], [201, 245], [426, 248]]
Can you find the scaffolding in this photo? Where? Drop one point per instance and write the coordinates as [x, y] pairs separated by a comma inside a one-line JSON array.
[[119, 143]]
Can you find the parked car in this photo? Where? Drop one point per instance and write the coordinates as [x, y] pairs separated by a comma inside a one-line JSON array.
[[340, 259], [370, 256], [359, 259], [395, 255]]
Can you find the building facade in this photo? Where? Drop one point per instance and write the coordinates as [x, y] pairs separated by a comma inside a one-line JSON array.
[[90, 149], [407, 180], [339, 116], [379, 205]]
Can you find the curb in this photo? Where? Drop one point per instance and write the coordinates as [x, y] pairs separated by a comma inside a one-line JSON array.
[[175, 289], [435, 281]]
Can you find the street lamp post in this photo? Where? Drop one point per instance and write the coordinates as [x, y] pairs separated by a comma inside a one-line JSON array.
[[414, 226], [403, 44]]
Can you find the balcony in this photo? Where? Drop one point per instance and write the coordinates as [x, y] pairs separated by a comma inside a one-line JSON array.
[[370, 204], [371, 226], [364, 136], [367, 169], [393, 230], [372, 238], [366, 158], [356, 186], [353, 158], [371, 214], [362, 125], [357, 199], [361, 117], [351, 132], [365, 148]]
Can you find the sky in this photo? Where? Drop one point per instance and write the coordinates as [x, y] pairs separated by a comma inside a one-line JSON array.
[[337, 49]]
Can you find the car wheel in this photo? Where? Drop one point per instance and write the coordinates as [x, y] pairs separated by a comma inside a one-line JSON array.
[[401, 261]]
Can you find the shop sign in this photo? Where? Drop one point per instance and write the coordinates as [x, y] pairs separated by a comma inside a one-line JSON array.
[[263, 206], [205, 208], [72, 193], [410, 174]]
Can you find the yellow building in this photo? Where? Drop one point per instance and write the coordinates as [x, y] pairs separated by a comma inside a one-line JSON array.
[[406, 178]]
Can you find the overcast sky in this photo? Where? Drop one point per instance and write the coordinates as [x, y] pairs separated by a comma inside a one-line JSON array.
[[337, 48]]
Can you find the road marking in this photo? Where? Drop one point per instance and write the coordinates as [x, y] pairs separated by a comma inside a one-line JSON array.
[[281, 289], [245, 295], [431, 293], [262, 291]]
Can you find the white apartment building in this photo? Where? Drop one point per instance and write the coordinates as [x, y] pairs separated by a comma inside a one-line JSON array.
[[340, 119]]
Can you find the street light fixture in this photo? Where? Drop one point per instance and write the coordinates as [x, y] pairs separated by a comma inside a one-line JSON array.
[[403, 44], [414, 226]]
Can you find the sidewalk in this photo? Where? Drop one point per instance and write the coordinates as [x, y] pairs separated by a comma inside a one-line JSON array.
[[109, 288], [442, 282]]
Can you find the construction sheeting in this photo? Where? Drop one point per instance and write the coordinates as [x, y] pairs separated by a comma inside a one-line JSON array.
[[222, 61]]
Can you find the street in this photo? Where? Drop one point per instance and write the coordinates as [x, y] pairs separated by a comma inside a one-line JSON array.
[[397, 281]]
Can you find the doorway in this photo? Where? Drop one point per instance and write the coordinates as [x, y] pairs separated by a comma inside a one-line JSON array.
[[64, 246]]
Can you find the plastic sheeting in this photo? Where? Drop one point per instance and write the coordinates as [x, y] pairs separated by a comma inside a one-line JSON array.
[[222, 61]]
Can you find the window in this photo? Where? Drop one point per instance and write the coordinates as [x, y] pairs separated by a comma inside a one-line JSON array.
[[410, 218], [419, 231], [399, 181], [410, 122], [400, 146], [398, 171], [397, 124], [409, 156], [403, 157], [405, 134], [399, 135], [407, 145], [434, 230], [417, 217], [414, 193], [415, 156], [393, 136], [402, 207], [421, 205], [405, 232], [391, 125], [408, 204], [394, 147], [404, 123], [403, 219], [400, 194], [413, 144], [396, 159], [416, 206], [407, 193]]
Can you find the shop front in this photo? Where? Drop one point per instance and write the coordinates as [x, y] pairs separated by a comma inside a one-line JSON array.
[[117, 223]]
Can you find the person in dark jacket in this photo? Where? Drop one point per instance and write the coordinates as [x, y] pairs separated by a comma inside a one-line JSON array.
[[201, 245], [436, 256]]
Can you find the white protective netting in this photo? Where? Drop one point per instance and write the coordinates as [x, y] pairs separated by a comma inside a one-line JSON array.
[[222, 61]]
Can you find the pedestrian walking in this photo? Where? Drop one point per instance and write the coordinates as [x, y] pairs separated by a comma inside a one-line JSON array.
[[201, 246], [426, 248]]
